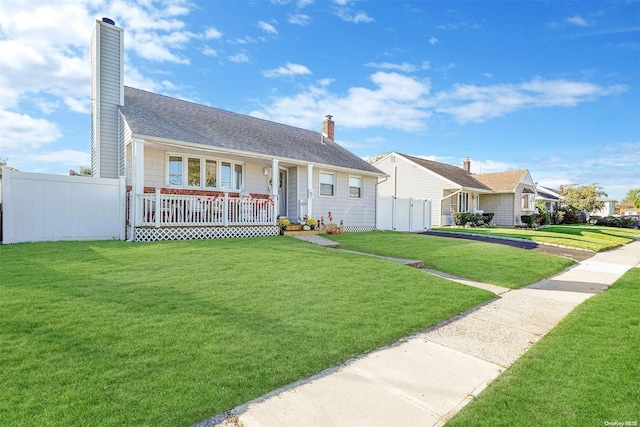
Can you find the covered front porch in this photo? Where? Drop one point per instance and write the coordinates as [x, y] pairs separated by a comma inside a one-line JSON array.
[[196, 193]]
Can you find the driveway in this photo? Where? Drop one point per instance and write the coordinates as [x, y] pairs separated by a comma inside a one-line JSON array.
[[575, 254]]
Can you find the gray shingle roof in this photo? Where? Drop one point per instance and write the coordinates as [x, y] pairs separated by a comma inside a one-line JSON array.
[[160, 116], [452, 173]]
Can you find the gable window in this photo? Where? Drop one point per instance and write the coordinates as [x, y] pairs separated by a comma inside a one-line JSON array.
[[327, 186], [202, 172], [355, 187]]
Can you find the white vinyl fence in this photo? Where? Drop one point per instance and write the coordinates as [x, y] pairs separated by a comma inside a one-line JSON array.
[[403, 214], [43, 207]]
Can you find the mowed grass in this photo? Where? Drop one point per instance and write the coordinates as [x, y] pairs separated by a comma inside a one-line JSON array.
[[172, 333], [484, 262], [590, 237], [585, 372]]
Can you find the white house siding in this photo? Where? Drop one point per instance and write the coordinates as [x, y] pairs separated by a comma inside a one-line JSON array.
[[502, 205], [356, 213], [107, 92], [408, 180]]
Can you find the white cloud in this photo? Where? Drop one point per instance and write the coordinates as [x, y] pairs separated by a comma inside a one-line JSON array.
[[578, 21], [299, 19], [344, 11], [406, 67], [212, 34], [209, 51], [239, 58], [395, 102], [20, 131], [471, 103], [267, 28], [433, 41], [287, 71]]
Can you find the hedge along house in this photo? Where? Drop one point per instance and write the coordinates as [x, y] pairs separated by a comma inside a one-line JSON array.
[[455, 189], [195, 171]]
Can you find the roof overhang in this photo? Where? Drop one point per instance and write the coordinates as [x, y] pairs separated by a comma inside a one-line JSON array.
[[187, 147]]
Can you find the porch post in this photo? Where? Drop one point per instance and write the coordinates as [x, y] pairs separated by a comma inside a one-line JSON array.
[[309, 190], [275, 180], [137, 180]]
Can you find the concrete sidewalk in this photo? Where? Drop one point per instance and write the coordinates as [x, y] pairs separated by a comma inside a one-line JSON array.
[[425, 379]]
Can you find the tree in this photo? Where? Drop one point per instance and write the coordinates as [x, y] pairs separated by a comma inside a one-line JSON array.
[[85, 170], [373, 159], [584, 198], [633, 196], [3, 162]]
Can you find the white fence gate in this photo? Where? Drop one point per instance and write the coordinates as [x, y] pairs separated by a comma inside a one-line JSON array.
[[403, 214], [43, 207]]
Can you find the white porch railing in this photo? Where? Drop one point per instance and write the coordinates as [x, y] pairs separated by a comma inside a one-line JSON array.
[[172, 210]]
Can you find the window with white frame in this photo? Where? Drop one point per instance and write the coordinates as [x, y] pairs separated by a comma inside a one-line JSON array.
[[355, 187], [463, 202], [327, 184], [203, 172]]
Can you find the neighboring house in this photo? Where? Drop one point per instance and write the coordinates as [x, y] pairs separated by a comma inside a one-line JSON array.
[[608, 208], [551, 198], [195, 171], [513, 195], [454, 189]]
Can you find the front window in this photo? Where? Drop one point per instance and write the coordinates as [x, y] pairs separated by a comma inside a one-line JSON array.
[[194, 172], [211, 174], [237, 176], [225, 175], [175, 170], [463, 202], [202, 172], [355, 187], [327, 186]]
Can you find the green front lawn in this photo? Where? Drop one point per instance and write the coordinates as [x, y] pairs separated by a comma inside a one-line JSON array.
[[172, 333], [484, 262], [585, 372], [591, 237]]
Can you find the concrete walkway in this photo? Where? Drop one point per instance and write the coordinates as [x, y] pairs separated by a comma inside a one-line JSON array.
[[425, 379]]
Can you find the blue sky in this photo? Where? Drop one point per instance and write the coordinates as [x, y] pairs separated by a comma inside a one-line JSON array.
[[552, 87]]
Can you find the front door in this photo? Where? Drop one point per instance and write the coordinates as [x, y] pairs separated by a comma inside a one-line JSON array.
[[282, 193]]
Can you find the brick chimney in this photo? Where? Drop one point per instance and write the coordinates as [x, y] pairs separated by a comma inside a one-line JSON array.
[[327, 127], [466, 165]]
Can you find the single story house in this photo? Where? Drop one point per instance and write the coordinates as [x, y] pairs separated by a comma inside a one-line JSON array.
[[507, 195], [551, 198], [194, 171]]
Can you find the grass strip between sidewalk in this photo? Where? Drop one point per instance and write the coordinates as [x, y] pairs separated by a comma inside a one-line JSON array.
[[483, 262], [585, 372]]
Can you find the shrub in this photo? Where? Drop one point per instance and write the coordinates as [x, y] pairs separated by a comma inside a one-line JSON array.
[[487, 217], [529, 220], [464, 218], [620, 222], [571, 217]]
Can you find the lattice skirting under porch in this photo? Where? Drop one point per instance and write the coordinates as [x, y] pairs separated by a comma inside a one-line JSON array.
[[188, 233], [355, 228]]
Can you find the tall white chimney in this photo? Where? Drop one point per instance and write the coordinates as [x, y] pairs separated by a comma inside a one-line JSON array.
[[107, 92]]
